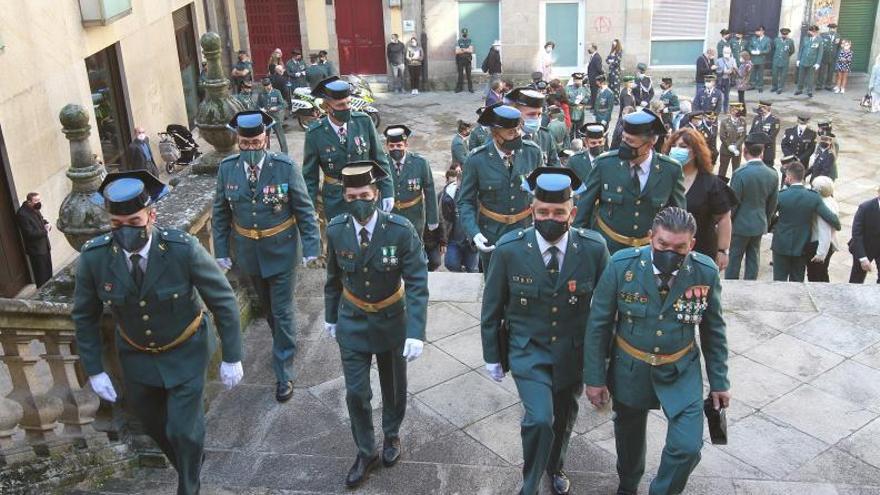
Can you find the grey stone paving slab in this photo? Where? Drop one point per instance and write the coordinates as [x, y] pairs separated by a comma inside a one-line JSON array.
[[760, 487], [585, 455], [770, 445], [316, 361], [779, 320], [870, 357], [446, 286], [288, 429], [837, 466], [852, 381], [847, 298], [715, 463], [225, 467], [456, 448], [433, 367], [823, 415], [239, 418], [471, 308], [743, 333], [794, 357], [835, 334], [756, 384], [467, 399], [753, 297], [465, 346], [863, 444], [491, 432], [444, 320]]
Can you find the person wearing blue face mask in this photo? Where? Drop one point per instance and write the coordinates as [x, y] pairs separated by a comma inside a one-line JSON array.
[[709, 199], [531, 104], [375, 304]]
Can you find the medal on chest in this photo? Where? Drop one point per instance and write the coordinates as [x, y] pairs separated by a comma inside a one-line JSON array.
[[690, 306], [275, 195], [389, 255]]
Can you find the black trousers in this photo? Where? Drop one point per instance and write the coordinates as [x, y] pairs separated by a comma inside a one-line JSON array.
[[857, 275], [463, 66], [818, 272], [41, 265], [415, 76], [594, 89]]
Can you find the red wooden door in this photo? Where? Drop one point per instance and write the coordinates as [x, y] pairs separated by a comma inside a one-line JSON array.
[[361, 35], [271, 24]]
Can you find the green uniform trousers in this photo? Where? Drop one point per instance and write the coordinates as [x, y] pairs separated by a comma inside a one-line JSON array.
[[758, 76], [780, 74], [279, 131], [175, 419], [806, 77], [789, 268], [276, 298], [827, 73], [741, 245], [358, 394], [681, 454], [545, 429]]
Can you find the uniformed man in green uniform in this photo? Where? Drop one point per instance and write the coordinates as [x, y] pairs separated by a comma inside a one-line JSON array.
[[375, 303], [644, 315], [628, 186], [578, 98], [464, 54], [272, 102], [530, 103], [759, 47], [460, 143], [767, 123], [154, 281], [262, 204], [340, 137], [604, 104], [242, 71], [830, 48], [808, 61], [626, 98], [296, 71], [725, 41], [796, 209], [246, 96], [737, 44], [594, 145], [783, 49], [314, 72], [491, 201], [671, 104], [756, 188], [414, 196], [539, 282], [479, 135], [326, 65], [558, 131], [732, 132]]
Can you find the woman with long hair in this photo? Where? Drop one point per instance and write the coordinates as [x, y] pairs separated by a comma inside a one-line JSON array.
[[276, 58], [414, 57], [614, 60], [709, 199]]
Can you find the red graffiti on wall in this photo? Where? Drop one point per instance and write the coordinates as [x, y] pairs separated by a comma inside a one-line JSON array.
[[603, 24]]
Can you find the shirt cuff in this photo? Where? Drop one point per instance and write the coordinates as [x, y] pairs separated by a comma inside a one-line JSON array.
[[863, 259]]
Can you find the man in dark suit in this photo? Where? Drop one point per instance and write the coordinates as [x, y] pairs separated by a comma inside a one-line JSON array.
[[594, 68], [705, 66], [800, 141], [865, 242], [139, 155], [35, 232]]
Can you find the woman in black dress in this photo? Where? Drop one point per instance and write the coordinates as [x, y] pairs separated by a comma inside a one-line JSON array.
[[709, 199]]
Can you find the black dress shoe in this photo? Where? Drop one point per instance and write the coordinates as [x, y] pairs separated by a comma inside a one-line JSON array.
[[798, 92], [809, 95], [390, 451], [623, 491], [360, 470], [560, 483], [283, 391]]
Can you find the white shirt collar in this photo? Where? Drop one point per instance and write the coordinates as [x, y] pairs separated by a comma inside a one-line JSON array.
[[544, 245], [370, 226], [501, 152], [645, 165], [337, 127]]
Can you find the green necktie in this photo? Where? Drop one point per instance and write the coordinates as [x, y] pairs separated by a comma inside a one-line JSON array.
[[365, 240], [664, 284], [137, 274], [553, 264], [634, 173]]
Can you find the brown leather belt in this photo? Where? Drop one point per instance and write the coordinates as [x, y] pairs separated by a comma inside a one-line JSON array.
[[505, 219], [332, 180], [376, 306], [258, 234], [408, 204], [620, 238], [652, 359], [188, 332]]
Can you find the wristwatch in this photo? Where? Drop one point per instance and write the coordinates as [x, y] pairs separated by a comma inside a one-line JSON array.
[[725, 251]]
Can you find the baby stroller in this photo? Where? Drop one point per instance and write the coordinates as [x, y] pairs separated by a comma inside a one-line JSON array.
[[177, 147]]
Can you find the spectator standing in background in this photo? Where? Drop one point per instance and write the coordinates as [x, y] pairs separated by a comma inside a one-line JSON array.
[[464, 53], [492, 64], [414, 57], [139, 156], [844, 64], [275, 59], [864, 244], [705, 66], [743, 75], [496, 93], [594, 69], [461, 255], [326, 64], [35, 232], [727, 74], [395, 51], [547, 60], [615, 65], [243, 70]]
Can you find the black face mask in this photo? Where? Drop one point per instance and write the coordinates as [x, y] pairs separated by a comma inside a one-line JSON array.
[[667, 261], [512, 144], [627, 152], [551, 230], [37, 206], [130, 238], [596, 150], [396, 155], [824, 146]]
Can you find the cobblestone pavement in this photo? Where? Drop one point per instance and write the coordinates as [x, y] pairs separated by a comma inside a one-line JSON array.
[[804, 368]]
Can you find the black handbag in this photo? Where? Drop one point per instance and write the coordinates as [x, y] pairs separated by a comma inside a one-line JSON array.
[[717, 419]]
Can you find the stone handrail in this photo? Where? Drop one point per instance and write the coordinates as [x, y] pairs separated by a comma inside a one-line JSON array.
[[53, 419]]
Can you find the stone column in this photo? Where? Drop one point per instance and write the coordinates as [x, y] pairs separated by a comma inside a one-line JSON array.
[[78, 218], [216, 110], [11, 451]]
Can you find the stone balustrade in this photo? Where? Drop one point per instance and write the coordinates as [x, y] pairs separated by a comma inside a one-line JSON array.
[[39, 419]]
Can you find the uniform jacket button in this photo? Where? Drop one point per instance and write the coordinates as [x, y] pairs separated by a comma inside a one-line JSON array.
[[145, 317], [148, 333], [142, 303]]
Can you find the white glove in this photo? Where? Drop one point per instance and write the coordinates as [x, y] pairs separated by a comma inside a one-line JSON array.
[[231, 373], [412, 349], [797, 63], [816, 66], [481, 243], [433, 226], [330, 328], [733, 150], [102, 386], [224, 263], [387, 204], [307, 259], [495, 371]]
